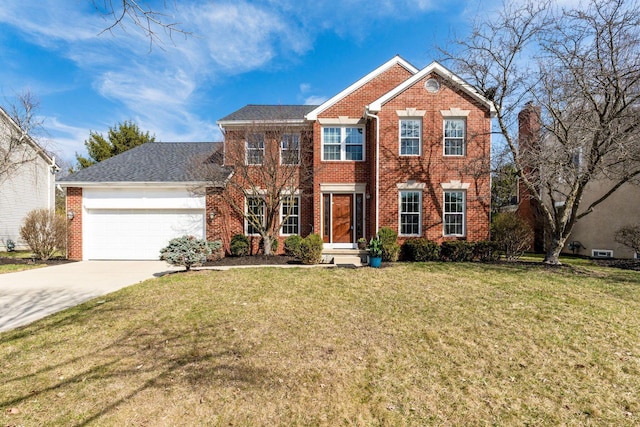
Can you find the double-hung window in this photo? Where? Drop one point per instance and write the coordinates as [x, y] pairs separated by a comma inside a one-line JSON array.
[[343, 143], [255, 148], [290, 149], [410, 137], [290, 215], [255, 214], [410, 213], [454, 213], [454, 135]]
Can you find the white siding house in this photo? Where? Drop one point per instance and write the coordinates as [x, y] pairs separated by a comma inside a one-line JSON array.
[[31, 185]]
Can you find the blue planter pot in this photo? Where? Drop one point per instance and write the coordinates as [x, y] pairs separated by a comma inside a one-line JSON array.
[[375, 262]]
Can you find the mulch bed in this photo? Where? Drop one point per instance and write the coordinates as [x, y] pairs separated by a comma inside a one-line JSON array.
[[252, 260], [625, 264]]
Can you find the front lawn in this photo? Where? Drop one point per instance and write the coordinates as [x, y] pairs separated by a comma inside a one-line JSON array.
[[412, 344]]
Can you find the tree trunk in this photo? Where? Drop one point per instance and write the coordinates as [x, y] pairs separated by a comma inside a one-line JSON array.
[[267, 245], [553, 253]]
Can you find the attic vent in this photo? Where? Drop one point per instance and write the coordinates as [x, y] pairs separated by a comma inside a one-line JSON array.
[[602, 253], [432, 85]]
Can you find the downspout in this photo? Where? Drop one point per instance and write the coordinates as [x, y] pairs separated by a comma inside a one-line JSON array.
[[224, 145], [377, 119]]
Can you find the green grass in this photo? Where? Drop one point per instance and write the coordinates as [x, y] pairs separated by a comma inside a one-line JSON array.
[[16, 254], [12, 268], [414, 344]]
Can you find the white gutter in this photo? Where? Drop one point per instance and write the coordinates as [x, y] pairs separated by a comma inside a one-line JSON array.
[[366, 112]]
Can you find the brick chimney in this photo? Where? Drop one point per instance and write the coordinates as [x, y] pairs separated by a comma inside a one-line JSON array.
[[529, 127]]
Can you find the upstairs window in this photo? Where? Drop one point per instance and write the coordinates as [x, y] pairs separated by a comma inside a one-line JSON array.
[[290, 149], [343, 143], [410, 137], [454, 134], [255, 148]]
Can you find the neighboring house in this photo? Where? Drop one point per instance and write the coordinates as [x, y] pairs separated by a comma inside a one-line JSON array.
[[594, 234], [29, 184], [130, 205], [401, 147]]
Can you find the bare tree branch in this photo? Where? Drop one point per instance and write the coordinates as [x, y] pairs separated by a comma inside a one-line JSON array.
[[121, 13], [581, 67], [18, 127]]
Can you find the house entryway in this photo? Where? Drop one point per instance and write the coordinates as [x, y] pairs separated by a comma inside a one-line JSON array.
[[343, 217]]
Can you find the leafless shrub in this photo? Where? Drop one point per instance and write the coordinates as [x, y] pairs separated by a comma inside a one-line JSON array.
[[629, 235], [45, 232]]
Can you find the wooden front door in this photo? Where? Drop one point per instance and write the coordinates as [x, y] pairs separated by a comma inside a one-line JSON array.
[[342, 218]]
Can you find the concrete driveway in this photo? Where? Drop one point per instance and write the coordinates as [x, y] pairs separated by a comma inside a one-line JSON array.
[[30, 295]]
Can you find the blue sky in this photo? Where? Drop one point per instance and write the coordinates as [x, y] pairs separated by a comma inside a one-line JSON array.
[[241, 52]]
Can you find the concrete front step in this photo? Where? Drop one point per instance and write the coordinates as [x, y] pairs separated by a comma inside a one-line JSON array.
[[353, 257]]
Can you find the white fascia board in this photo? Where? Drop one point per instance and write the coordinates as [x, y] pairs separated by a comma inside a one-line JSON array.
[[376, 105], [85, 184], [396, 60]]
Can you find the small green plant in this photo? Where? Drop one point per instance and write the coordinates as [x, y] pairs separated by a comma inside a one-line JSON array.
[[10, 245], [390, 248], [456, 250], [292, 245], [186, 250], [239, 245], [375, 247], [420, 250], [485, 251], [215, 246], [45, 232], [311, 249], [362, 243]]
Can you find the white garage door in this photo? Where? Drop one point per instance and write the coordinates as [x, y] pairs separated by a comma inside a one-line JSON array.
[[137, 234]]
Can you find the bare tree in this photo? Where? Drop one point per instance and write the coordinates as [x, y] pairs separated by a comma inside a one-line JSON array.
[[18, 126], [272, 171], [150, 21], [580, 67]]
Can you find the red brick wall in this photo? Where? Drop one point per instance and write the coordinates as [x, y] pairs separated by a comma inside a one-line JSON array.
[[74, 230], [432, 167], [228, 221], [353, 106]]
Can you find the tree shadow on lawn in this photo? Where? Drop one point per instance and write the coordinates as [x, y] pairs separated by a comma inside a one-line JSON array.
[[142, 359]]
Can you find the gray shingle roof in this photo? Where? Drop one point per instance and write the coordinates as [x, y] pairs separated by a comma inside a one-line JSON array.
[[253, 112], [160, 162]]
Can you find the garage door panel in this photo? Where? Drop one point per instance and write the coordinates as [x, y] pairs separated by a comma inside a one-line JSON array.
[[135, 233]]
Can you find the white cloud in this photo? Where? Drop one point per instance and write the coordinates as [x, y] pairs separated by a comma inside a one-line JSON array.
[[157, 88], [315, 100]]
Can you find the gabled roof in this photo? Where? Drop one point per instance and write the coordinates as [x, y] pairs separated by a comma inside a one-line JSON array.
[[156, 162], [396, 60], [443, 72], [267, 113], [37, 148]]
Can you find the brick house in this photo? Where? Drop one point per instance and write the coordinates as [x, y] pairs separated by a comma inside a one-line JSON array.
[[401, 147]]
